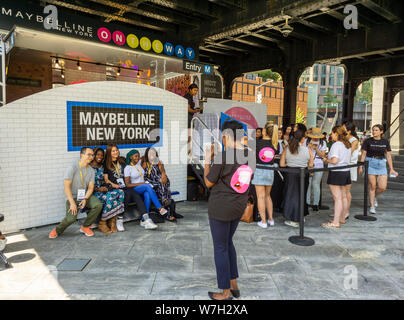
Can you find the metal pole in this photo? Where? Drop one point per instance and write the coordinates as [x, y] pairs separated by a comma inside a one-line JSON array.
[[301, 240], [365, 216], [301, 202]]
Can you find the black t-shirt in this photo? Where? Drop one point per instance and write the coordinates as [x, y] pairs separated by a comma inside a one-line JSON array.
[[191, 102], [113, 174], [260, 152], [376, 148], [225, 204]]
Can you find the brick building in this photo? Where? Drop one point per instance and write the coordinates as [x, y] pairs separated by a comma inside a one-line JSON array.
[[245, 89]]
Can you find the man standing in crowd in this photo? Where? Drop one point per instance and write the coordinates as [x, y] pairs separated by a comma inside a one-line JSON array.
[[79, 185], [192, 108]]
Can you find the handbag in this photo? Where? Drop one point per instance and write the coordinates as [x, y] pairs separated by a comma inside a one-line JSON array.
[[248, 215]]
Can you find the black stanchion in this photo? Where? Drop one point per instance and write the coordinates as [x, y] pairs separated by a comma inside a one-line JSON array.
[[365, 216], [301, 240]]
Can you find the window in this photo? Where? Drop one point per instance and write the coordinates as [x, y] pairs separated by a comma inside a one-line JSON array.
[[323, 69], [339, 91], [323, 91], [315, 73], [323, 80], [331, 81]]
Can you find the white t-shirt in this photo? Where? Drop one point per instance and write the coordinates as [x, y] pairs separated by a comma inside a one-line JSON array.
[[338, 150], [136, 173], [354, 156]]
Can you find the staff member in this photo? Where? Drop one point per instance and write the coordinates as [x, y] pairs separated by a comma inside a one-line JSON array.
[[79, 186], [229, 179], [192, 108], [375, 150]]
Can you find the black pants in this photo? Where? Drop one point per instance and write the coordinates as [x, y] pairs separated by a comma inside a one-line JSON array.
[[224, 251], [132, 196]]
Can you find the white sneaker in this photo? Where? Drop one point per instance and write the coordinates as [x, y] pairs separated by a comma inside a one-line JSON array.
[[262, 225], [119, 225], [376, 204], [292, 224], [148, 224], [271, 223], [372, 210], [3, 244]]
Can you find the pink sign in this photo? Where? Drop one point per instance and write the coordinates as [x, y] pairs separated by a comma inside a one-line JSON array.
[[243, 115], [266, 154], [104, 34], [119, 38], [240, 180]]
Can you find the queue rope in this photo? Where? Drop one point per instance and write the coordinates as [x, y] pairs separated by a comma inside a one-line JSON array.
[[301, 240]]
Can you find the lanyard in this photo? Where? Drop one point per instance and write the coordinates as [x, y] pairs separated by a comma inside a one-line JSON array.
[[141, 174], [149, 167], [81, 175], [116, 168]]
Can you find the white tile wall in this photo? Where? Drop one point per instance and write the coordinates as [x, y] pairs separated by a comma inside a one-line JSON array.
[[33, 147]]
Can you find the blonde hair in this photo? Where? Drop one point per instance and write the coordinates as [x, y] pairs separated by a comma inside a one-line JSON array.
[[272, 131]]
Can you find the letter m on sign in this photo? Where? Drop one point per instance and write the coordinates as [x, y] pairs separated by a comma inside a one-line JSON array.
[[207, 69]]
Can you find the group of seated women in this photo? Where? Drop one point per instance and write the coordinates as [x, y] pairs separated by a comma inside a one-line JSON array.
[[120, 182]]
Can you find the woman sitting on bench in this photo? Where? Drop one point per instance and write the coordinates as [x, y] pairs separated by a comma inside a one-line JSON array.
[[134, 178], [157, 177]]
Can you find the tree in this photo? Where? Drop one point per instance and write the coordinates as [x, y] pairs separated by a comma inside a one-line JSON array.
[[269, 74], [330, 98], [366, 95], [299, 115]]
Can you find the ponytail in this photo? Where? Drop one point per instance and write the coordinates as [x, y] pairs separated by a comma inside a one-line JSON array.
[[342, 136], [294, 142], [272, 131]]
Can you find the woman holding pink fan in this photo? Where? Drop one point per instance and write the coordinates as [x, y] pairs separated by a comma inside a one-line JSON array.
[[266, 148]]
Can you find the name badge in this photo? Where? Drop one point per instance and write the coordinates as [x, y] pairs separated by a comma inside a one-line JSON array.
[[120, 182], [81, 194]]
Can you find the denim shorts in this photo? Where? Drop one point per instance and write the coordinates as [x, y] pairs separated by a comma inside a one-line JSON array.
[[263, 177], [377, 167]]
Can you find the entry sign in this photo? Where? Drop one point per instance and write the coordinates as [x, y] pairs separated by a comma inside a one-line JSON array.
[[211, 86], [198, 67], [128, 126]]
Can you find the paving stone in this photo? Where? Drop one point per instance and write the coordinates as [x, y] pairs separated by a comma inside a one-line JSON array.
[[163, 263]]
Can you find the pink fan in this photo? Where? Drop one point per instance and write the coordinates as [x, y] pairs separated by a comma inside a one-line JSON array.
[[240, 180], [266, 154]]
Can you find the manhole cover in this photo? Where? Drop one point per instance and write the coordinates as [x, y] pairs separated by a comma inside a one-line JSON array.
[[73, 264]]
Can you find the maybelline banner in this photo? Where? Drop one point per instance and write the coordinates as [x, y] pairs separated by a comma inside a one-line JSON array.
[[93, 124], [24, 14]]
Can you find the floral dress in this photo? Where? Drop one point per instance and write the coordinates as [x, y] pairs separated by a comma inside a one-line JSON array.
[[113, 200], [153, 176]]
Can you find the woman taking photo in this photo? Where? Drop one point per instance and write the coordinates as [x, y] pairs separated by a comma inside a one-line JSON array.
[[287, 133], [339, 156], [111, 199], [157, 177], [376, 150], [296, 155], [114, 175], [354, 140], [229, 180], [315, 141], [135, 179], [266, 148]]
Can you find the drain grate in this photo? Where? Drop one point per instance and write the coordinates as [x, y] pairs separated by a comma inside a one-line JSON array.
[[73, 264]]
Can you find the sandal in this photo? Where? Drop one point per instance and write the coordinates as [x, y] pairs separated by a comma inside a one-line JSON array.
[[330, 225]]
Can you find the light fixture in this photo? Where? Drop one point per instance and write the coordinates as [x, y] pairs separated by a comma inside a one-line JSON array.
[[62, 73], [138, 74], [78, 65], [118, 73], [57, 65]]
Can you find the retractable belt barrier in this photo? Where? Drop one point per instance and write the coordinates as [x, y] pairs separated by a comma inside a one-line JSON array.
[[301, 240]]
